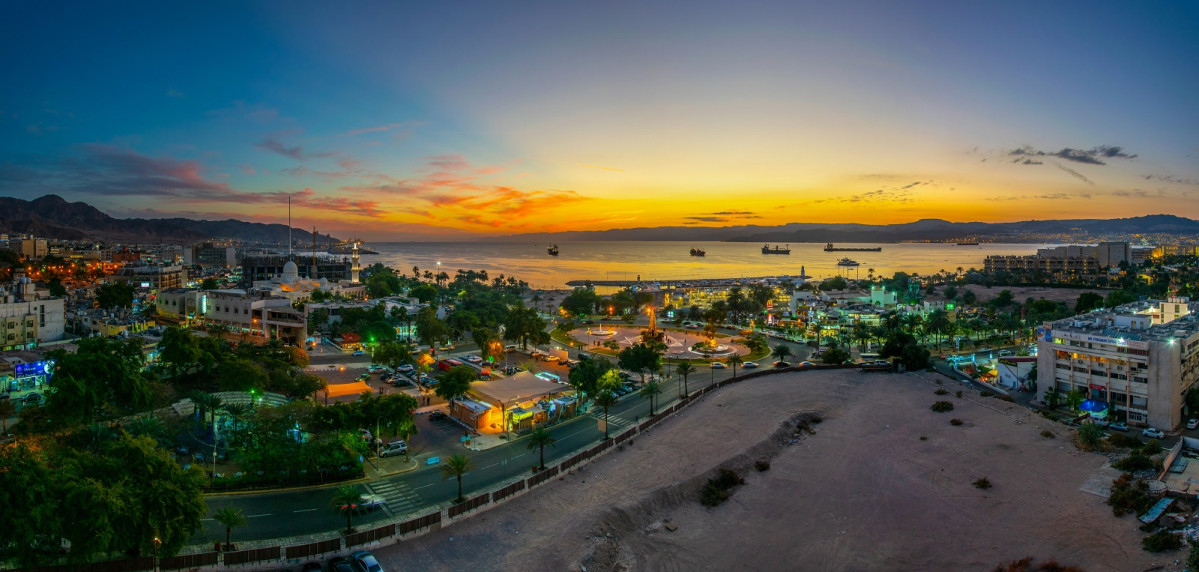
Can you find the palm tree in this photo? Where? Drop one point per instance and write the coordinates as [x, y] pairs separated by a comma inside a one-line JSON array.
[[538, 439], [684, 369], [651, 390], [456, 466], [231, 517], [782, 352], [817, 327], [735, 360], [861, 334], [605, 399], [346, 499], [416, 272], [236, 411], [938, 323], [147, 425]]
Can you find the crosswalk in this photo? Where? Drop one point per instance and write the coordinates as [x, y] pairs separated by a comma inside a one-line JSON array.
[[615, 421], [400, 498]]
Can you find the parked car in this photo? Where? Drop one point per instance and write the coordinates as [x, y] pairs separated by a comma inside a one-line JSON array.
[[367, 561], [374, 367], [474, 359], [342, 564], [1193, 423], [358, 353], [369, 502], [398, 447], [1005, 353], [718, 365], [405, 368], [437, 416], [749, 365], [1118, 426], [1153, 433], [781, 364], [32, 398], [807, 364]]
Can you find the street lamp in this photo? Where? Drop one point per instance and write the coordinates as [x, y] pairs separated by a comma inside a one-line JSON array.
[[156, 543]]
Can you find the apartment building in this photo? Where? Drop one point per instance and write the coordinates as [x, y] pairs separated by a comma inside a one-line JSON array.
[[1140, 359], [251, 313], [29, 316], [152, 277]]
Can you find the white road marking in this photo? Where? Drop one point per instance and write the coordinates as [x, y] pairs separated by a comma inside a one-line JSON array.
[[258, 515], [305, 510], [423, 486], [490, 466]]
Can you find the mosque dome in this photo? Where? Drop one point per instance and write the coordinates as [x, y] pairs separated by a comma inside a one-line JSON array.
[[291, 273]]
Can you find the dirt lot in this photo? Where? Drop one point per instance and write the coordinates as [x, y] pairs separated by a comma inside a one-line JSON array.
[[863, 492], [1022, 293]]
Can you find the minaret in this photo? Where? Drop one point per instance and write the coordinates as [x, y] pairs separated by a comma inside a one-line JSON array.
[[356, 264]]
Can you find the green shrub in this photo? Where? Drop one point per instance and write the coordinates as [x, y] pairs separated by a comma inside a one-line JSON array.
[[1161, 541], [986, 393], [924, 437], [1124, 441], [955, 422], [941, 391], [983, 483], [1151, 447], [762, 465], [1129, 496], [942, 406], [959, 393], [1134, 462], [719, 488], [1090, 435], [1047, 434]]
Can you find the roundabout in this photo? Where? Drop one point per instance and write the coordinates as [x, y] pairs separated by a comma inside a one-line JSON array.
[[680, 344]]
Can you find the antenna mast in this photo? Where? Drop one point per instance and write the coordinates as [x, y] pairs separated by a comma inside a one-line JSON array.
[[289, 225]]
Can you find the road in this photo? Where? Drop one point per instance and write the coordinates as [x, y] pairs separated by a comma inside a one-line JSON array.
[[292, 513]]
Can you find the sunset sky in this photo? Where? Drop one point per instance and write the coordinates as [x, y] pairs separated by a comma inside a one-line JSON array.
[[446, 120]]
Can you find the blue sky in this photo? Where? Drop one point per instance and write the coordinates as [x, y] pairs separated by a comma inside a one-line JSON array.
[[406, 120]]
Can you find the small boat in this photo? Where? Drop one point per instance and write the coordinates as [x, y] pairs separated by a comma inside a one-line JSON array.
[[848, 262], [553, 250], [967, 244], [697, 252], [766, 249]]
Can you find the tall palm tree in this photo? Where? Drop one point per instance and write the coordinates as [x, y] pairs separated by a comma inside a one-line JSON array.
[[651, 390], [416, 272], [346, 500], [605, 399], [236, 411], [538, 439], [861, 334], [684, 369], [938, 323], [735, 360], [456, 466], [232, 517], [147, 425]]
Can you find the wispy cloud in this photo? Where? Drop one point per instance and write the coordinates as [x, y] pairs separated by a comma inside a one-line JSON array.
[[1076, 174], [383, 128], [1171, 179], [1092, 156], [1043, 197], [270, 144]]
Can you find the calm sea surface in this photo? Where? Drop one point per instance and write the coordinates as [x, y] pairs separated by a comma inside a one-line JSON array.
[[612, 260]]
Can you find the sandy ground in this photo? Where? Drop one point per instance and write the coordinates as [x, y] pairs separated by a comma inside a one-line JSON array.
[[862, 492], [1023, 293]]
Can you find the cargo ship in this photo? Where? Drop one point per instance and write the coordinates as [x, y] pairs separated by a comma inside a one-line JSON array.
[[830, 248], [698, 252], [552, 251], [766, 249]]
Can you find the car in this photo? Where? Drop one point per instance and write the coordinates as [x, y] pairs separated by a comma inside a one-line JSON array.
[[367, 561], [437, 416], [363, 377], [1118, 426], [807, 364], [570, 363], [368, 502], [393, 448], [1193, 423], [782, 364], [32, 398], [1153, 433], [718, 365], [405, 368], [1005, 353], [342, 564], [474, 359], [358, 353], [749, 365], [374, 367]]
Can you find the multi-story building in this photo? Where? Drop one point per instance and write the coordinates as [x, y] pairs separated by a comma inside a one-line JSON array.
[[86, 321], [34, 248], [1064, 263], [210, 255], [258, 267], [29, 316], [152, 277], [1140, 359], [253, 314]]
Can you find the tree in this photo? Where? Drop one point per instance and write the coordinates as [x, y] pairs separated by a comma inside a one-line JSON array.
[[210, 284], [581, 301], [939, 323], [640, 358], [456, 466], [735, 360], [835, 356], [538, 439], [392, 354], [346, 500], [782, 352], [115, 295], [7, 409], [231, 518], [429, 328], [684, 369], [651, 391], [605, 399], [585, 377], [1088, 301], [861, 334], [455, 382], [524, 325]]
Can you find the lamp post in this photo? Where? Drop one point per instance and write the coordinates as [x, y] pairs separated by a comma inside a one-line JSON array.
[[156, 543]]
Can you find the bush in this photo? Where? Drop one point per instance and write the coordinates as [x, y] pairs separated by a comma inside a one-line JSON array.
[[1129, 496], [1090, 435], [986, 393], [1134, 462], [1161, 541], [1047, 434], [942, 406], [955, 422], [983, 483], [762, 465], [941, 391], [719, 488], [1124, 441], [959, 394], [1026, 565], [1151, 447], [924, 437]]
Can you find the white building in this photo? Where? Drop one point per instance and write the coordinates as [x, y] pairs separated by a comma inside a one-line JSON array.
[[254, 314], [289, 285], [1141, 359], [29, 316]]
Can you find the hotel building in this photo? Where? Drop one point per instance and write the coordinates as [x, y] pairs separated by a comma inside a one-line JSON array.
[[1140, 358]]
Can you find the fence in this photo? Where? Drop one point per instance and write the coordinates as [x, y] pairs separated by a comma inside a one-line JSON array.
[[421, 522], [313, 549], [508, 490], [188, 561], [370, 535], [244, 556], [543, 476], [126, 565], [469, 504]]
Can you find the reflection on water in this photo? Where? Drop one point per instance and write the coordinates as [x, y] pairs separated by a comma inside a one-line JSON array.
[[649, 261]]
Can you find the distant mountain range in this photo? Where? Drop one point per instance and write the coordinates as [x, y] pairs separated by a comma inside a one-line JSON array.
[[52, 216], [926, 229]]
